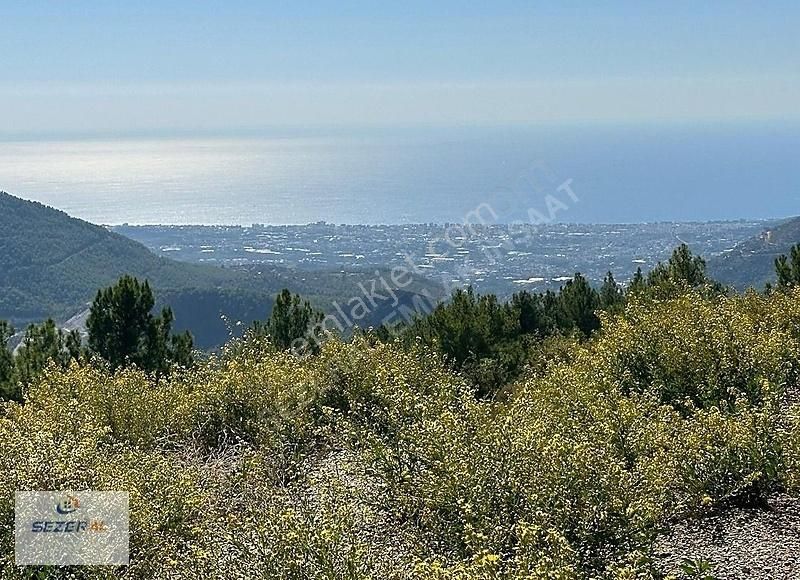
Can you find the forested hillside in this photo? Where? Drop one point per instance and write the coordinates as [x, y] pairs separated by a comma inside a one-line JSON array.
[[51, 265], [751, 263]]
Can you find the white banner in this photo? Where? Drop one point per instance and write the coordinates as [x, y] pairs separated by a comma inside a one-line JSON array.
[[71, 528]]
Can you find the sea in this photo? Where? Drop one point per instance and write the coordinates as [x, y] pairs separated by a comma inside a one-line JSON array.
[[590, 173]]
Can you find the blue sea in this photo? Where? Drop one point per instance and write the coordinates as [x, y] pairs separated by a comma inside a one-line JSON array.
[[591, 173]]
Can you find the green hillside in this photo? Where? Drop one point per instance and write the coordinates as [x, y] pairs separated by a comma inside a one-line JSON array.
[[751, 263], [51, 265]]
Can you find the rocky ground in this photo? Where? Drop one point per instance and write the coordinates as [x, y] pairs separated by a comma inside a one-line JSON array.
[[752, 542]]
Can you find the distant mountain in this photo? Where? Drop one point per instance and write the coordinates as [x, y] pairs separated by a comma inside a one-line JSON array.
[[51, 265], [751, 263]]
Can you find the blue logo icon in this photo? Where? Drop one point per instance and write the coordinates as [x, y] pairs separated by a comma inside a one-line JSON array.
[[68, 505]]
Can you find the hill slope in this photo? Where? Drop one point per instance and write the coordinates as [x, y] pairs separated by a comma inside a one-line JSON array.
[[751, 263], [51, 265]]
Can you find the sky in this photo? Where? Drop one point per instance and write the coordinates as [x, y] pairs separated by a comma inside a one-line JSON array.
[[145, 66]]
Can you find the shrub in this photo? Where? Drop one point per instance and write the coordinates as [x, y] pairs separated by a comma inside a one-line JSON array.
[[376, 460]]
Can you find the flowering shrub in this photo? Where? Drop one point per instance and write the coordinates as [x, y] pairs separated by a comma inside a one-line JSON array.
[[375, 460]]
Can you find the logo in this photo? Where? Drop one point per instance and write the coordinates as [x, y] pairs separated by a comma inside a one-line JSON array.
[[63, 528], [68, 505]]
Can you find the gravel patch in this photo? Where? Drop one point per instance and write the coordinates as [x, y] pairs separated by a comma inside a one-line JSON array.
[[757, 542]]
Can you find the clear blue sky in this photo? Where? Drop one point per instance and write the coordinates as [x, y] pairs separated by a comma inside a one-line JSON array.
[[131, 66]]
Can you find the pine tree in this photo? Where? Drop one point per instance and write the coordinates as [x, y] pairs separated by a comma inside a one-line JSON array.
[[531, 311], [552, 309], [683, 271], [685, 266], [292, 318], [578, 302], [637, 283], [612, 298], [784, 271], [123, 331], [8, 382], [788, 269], [42, 344], [384, 334]]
